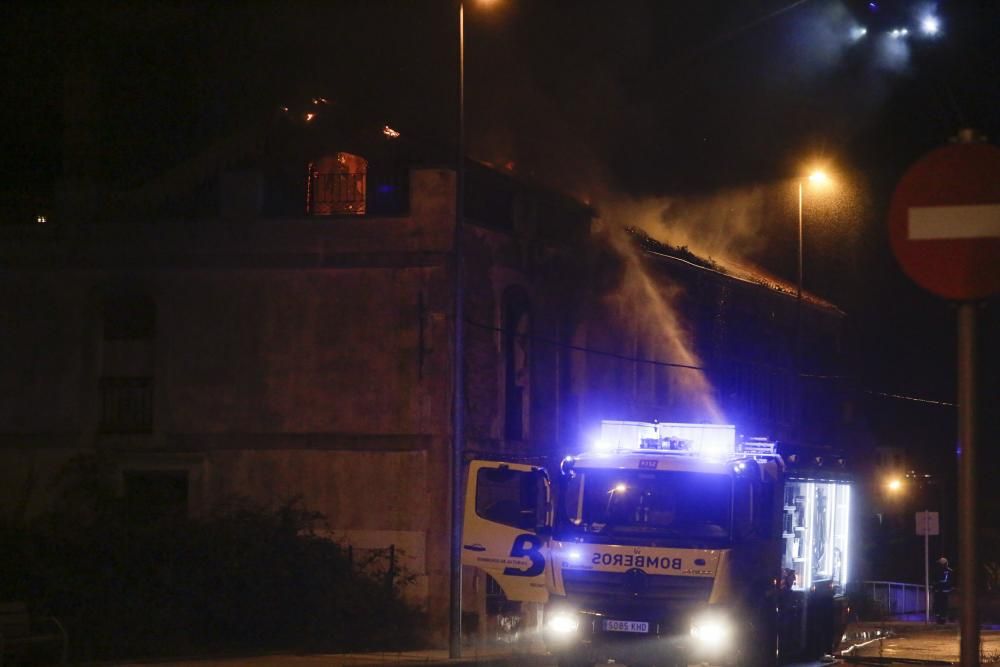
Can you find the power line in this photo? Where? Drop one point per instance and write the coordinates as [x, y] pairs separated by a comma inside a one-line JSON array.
[[911, 398], [588, 350], [672, 364]]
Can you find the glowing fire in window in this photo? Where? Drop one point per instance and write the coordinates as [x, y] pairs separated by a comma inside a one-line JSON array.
[[389, 132], [337, 185]]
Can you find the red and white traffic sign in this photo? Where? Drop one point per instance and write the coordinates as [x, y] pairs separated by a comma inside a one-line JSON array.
[[944, 221]]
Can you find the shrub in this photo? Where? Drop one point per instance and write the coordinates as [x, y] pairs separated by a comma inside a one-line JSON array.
[[244, 578]]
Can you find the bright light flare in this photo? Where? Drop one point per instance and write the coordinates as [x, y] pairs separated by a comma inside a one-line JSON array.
[[620, 488], [930, 25], [714, 451], [895, 485], [819, 177], [898, 33], [857, 32], [563, 623], [389, 132], [712, 630]]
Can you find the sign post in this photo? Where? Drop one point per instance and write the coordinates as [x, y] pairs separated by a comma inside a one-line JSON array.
[[927, 525], [944, 227]]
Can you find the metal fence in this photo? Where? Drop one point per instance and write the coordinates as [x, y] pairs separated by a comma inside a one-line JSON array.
[[895, 598]]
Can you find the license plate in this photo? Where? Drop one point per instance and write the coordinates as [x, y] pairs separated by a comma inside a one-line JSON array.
[[626, 626]]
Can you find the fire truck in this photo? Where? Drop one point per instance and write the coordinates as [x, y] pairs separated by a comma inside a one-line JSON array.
[[670, 543]]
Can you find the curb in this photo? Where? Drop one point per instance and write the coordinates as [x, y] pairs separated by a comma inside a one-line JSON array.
[[513, 660], [373, 659]]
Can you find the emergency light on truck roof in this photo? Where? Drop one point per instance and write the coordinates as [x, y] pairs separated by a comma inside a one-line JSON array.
[[713, 441]]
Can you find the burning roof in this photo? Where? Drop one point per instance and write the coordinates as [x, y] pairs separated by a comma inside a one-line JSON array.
[[737, 271]]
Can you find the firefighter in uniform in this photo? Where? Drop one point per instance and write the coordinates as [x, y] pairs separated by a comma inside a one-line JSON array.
[[942, 586]]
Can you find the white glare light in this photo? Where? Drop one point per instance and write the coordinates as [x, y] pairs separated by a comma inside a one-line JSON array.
[[711, 629], [574, 556], [857, 32], [714, 452], [930, 25], [898, 33], [601, 445], [563, 623]]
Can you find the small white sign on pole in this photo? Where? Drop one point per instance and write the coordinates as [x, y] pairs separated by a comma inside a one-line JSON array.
[[927, 523]]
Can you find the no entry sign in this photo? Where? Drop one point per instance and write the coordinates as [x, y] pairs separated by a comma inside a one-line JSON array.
[[944, 221]]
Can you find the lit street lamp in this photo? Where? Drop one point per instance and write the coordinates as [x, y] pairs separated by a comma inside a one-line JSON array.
[[817, 177], [894, 485]]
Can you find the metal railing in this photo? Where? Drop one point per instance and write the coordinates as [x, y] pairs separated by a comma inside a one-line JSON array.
[[895, 598], [339, 193]]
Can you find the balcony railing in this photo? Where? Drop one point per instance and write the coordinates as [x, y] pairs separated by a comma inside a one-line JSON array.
[[339, 193]]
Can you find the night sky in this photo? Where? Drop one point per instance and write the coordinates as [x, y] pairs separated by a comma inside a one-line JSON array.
[[605, 100]]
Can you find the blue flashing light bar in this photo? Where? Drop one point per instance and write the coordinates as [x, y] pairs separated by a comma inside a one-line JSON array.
[[712, 441]]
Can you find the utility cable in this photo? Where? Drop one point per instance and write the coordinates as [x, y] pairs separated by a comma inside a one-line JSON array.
[[671, 364]]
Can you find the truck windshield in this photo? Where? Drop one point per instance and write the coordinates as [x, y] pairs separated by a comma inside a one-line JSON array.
[[677, 507]]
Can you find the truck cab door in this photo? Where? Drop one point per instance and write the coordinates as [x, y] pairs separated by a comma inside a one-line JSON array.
[[506, 509]]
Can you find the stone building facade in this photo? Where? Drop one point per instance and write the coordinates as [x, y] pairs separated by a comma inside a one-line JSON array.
[[269, 348]]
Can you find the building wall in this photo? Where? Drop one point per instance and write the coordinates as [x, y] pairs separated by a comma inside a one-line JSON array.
[[289, 359], [311, 357], [740, 336]]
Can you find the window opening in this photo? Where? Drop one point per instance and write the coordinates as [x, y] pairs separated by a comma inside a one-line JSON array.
[[337, 185], [517, 362], [506, 496]]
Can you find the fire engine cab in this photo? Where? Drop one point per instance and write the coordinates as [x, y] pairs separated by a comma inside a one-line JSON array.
[[670, 543]]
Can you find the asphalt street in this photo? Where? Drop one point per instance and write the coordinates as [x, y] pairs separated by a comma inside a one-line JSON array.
[[887, 643]]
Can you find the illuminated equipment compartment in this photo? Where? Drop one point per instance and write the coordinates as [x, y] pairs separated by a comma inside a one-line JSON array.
[[816, 526]]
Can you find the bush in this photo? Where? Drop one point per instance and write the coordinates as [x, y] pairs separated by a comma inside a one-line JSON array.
[[243, 579]]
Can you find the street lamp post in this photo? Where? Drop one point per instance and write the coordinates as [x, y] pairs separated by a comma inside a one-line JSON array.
[[817, 177], [458, 361], [458, 365]]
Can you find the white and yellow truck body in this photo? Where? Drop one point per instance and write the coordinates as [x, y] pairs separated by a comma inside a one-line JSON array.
[[669, 542]]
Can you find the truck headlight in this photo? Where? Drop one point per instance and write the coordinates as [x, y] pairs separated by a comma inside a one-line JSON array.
[[711, 629], [563, 623]]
